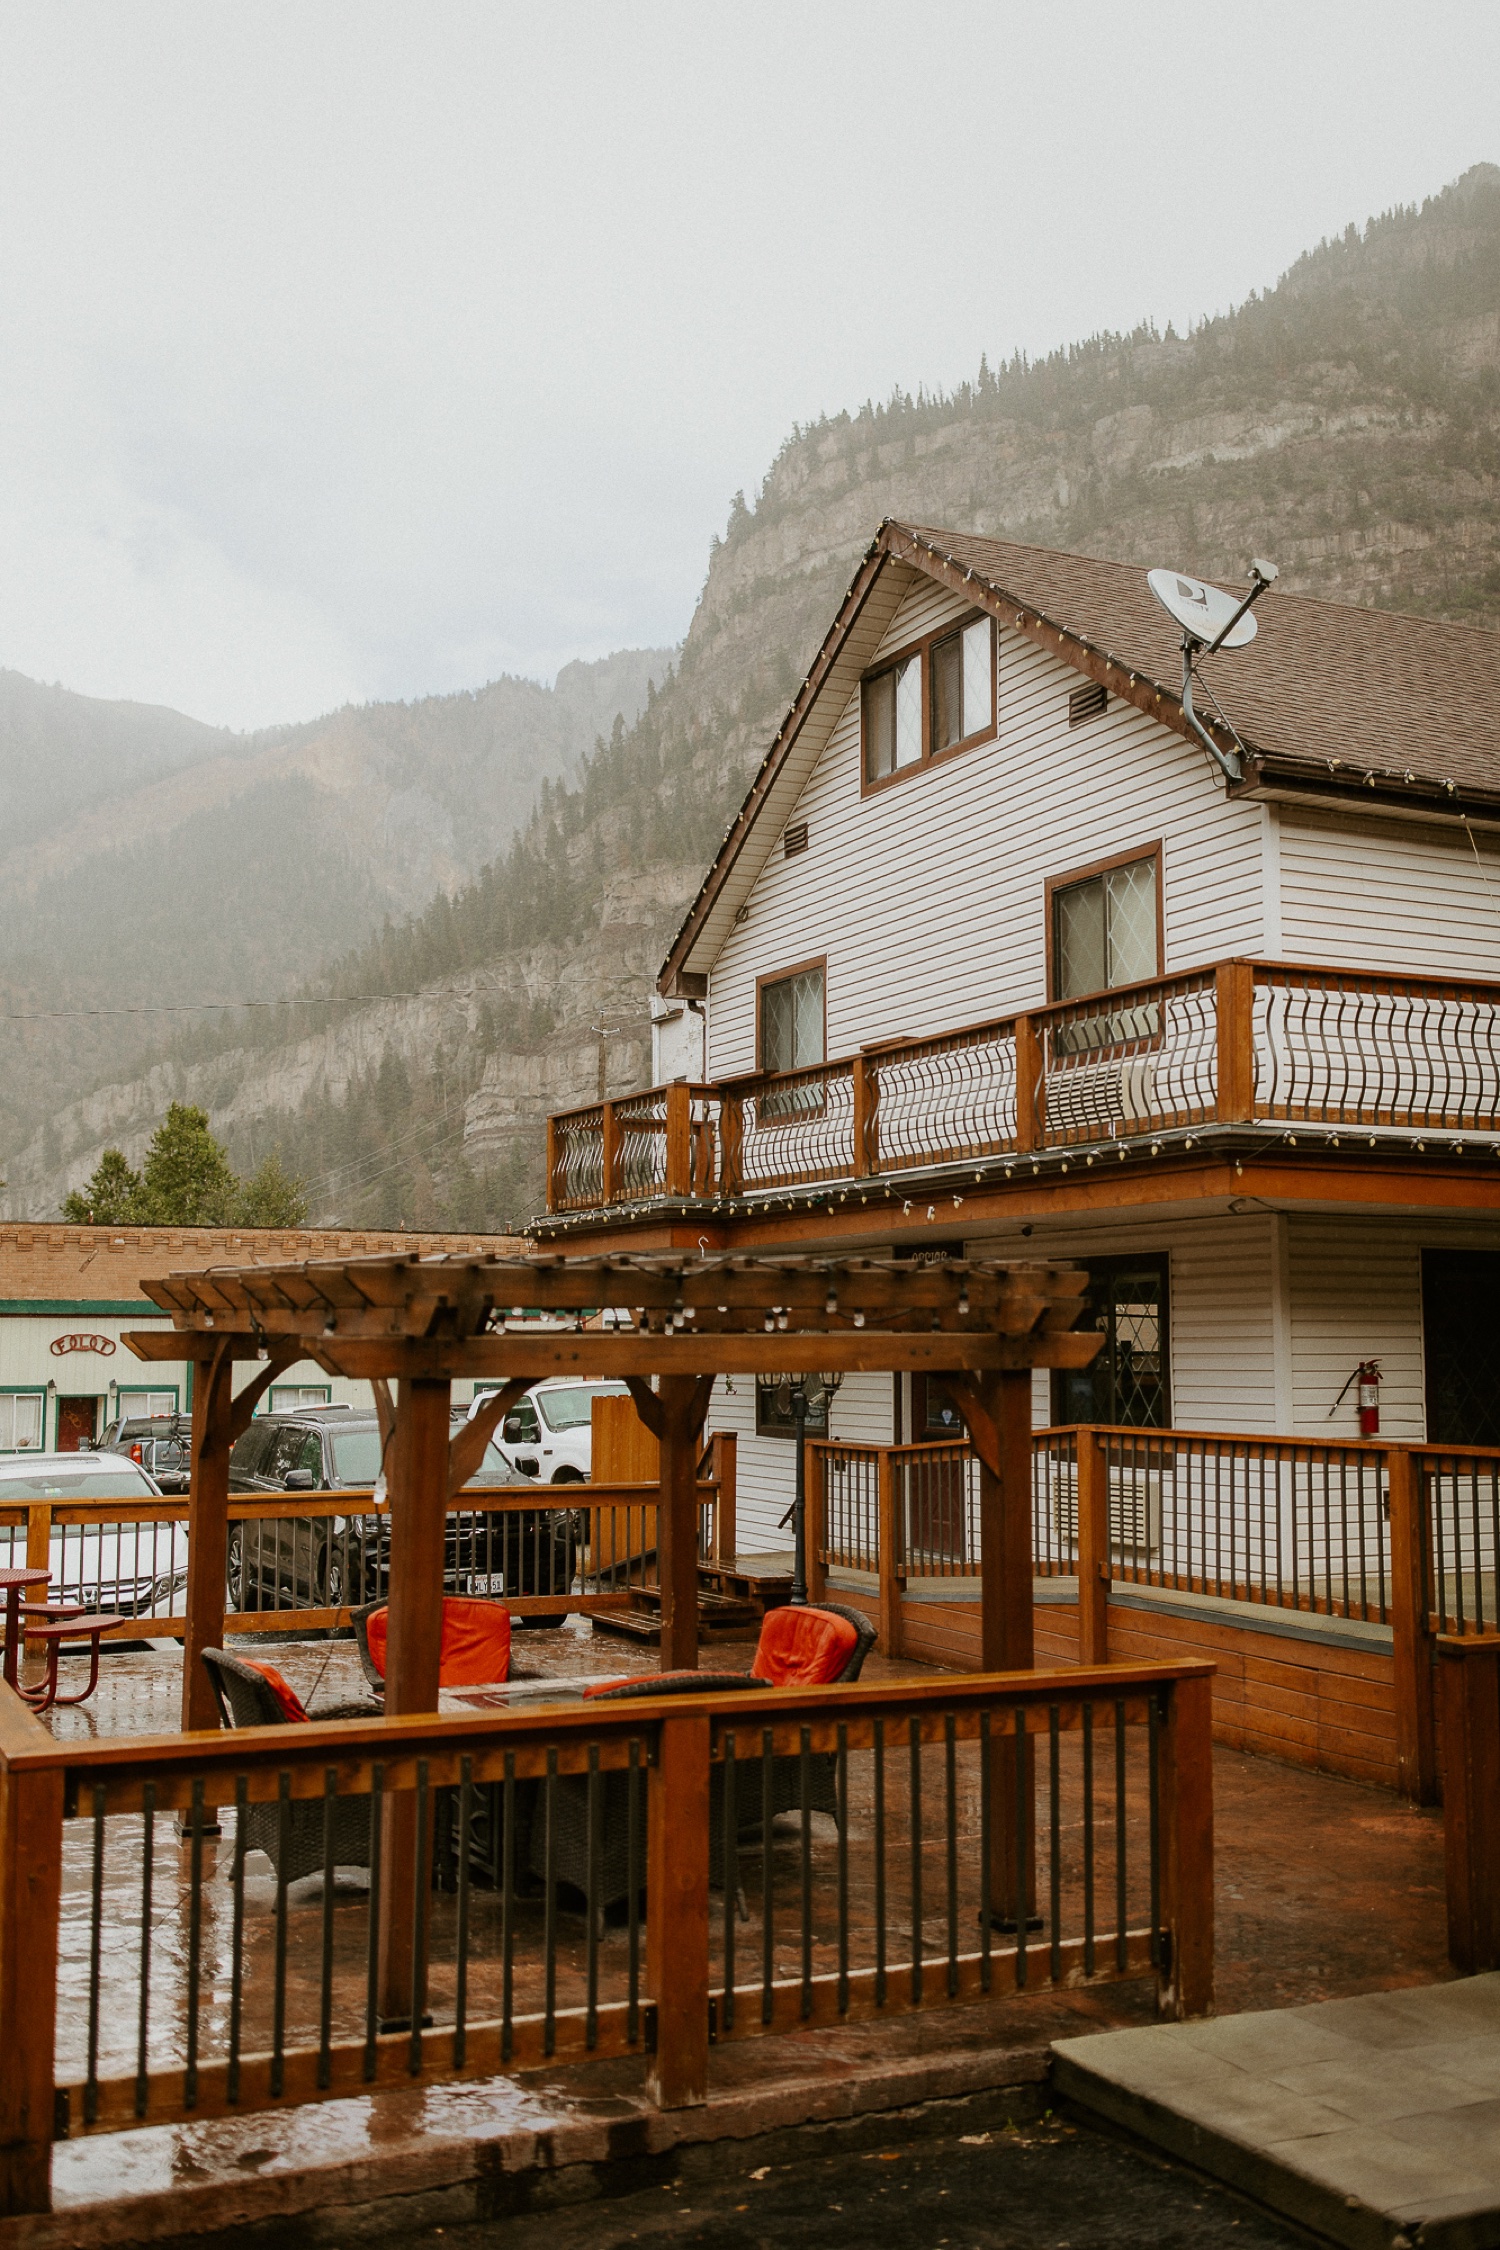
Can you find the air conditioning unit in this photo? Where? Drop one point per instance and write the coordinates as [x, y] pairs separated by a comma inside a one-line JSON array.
[[1135, 1498]]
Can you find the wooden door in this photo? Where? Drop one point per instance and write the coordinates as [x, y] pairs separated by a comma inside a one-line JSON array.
[[76, 1423]]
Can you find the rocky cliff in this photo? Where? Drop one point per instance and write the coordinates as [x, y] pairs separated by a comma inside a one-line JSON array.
[[1346, 423]]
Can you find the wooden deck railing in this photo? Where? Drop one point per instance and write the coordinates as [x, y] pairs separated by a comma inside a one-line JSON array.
[[1400, 1536], [311, 1557], [158, 1995], [1228, 1044]]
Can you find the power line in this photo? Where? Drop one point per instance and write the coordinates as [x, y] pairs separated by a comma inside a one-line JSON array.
[[216, 1007]]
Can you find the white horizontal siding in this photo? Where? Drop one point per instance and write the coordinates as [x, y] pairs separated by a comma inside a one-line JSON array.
[[1370, 894], [928, 898], [1221, 1307], [1356, 1293], [766, 1467]]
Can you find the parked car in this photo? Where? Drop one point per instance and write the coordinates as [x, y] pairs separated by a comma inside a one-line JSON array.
[[549, 1434], [122, 1569], [324, 1561], [161, 1444]]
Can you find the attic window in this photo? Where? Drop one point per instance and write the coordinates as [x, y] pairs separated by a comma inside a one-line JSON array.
[[932, 697], [1088, 702], [794, 839]]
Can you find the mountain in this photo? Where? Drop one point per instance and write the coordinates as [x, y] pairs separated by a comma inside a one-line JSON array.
[[148, 861], [1345, 422]]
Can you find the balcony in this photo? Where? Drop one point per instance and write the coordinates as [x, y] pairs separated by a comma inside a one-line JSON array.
[[1266, 1048]]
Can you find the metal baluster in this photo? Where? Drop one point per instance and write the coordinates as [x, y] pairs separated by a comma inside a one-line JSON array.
[[195, 1941], [1054, 1816], [237, 1934], [148, 1853], [96, 1931], [325, 1993], [549, 1940], [729, 1851], [842, 1800], [372, 1933], [278, 2003], [914, 1744], [804, 1791], [507, 1906], [1088, 1839], [592, 1905], [633, 1900], [767, 1959], [950, 1750], [986, 1882], [1121, 1899], [879, 1841], [1154, 1816], [418, 1923], [1023, 1848], [461, 1939]]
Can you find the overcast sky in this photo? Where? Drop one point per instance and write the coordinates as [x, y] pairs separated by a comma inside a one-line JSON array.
[[363, 350]]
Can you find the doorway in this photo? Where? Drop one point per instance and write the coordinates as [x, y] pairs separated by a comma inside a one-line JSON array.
[[1129, 1383], [1461, 1346], [77, 1423]]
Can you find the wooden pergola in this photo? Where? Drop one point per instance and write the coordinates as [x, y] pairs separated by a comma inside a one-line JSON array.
[[418, 1323]]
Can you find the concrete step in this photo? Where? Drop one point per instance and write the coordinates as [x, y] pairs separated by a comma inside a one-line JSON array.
[[1374, 2121]]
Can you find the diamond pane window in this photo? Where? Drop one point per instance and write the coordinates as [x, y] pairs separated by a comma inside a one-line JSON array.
[[893, 719], [791, 1021], [1104, 931], [979, 676], [908, 747]]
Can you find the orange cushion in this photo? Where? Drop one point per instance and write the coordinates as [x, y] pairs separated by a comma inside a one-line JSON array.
[[475, 1647], [801, 1647], [285, 1694]]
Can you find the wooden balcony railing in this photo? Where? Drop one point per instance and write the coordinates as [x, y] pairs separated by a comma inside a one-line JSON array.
[[1228, 1044]]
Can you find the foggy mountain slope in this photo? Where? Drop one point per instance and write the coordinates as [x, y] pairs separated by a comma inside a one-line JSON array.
[[161, 862], [1345, 422]]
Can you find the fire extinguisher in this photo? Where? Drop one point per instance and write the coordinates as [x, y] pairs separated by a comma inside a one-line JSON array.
[[1367, 1397]]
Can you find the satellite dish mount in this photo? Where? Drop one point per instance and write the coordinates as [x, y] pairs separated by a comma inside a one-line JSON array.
[[1210, 620]]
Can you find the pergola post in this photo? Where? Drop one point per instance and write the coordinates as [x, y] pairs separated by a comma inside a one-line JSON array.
[[676, 1412], [997, 1411], [419, 1508], [208, 1535], [219, 1417]]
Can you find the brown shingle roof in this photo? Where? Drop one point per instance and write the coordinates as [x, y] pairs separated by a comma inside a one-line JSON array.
[[1372, 688], [1328, 699]]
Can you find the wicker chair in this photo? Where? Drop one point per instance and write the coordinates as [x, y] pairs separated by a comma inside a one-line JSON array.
[[570, 1840], [247, 1697]]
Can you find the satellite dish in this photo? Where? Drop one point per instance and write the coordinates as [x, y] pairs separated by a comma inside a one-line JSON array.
[[1203, 611]]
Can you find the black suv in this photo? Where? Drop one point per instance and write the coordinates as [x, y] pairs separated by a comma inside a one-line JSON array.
[[160, 1443], [319, 1562]]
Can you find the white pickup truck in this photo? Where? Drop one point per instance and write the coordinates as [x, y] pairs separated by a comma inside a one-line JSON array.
[[549, 1433]]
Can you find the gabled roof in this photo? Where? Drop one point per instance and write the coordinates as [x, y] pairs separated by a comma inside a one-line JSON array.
[[1331, 702]]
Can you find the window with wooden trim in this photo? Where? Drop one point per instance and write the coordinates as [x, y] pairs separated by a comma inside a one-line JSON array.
[[930, 699], [1106, 929], [773, 1411], [963, 685], [21, 1417], [791, 1021]]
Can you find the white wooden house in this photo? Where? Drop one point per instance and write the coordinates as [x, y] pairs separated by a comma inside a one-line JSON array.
[[994, 955]]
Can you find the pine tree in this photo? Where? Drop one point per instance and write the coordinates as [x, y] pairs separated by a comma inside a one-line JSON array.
[[112, 1197], [187, 1180]]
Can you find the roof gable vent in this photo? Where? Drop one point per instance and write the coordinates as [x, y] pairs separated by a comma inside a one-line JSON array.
[[794, 839], [1087, 702]]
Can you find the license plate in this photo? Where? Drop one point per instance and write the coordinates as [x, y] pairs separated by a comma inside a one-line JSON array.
[[487, 1582]]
